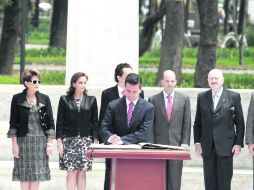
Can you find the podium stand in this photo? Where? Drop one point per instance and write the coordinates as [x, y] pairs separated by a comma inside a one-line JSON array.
[[139, 169]]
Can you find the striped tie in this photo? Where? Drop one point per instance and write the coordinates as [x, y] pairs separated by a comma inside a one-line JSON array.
[[130, 111]]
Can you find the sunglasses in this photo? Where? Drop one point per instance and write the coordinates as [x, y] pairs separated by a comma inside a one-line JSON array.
[[36, 81]]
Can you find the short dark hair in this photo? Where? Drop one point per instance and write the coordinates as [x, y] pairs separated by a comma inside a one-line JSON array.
[[27, 75], [74, 79], [119, 70], [133, 79]]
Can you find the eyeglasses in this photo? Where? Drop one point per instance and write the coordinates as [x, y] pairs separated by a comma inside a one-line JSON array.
[[36, 81]]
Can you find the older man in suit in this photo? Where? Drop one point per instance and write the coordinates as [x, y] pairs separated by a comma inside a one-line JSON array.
[[172, 124], [128, 120], [218, 131]]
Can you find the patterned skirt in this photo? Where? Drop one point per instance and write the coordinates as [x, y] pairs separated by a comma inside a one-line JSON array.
[[32, 164], [74, 156]]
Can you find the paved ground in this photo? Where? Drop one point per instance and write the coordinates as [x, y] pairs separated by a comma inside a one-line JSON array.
[[192, 174], [192, 178]]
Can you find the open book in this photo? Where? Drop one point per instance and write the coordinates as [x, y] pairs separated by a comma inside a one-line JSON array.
[[137, 146], [161, 146]]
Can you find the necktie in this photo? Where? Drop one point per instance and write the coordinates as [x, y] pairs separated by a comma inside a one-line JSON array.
[[169, 109], [130, 111]]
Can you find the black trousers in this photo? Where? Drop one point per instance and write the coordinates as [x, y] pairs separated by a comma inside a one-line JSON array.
[[218, 171]]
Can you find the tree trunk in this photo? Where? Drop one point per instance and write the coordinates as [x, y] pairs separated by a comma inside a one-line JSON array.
[[145, 39], [152, 8], [242, 15], [241, 28], [36, 14], [226, 11], [172, 40], [58, 31], [9, 37], [186, 15], [209, 26], [140, 3]]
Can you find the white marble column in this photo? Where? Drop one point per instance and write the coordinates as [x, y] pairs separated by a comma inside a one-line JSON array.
[[100, 35]]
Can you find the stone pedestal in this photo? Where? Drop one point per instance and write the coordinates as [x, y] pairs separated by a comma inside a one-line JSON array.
[[100, 35]]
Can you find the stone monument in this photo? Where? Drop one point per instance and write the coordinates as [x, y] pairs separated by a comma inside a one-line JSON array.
[[100, 35]]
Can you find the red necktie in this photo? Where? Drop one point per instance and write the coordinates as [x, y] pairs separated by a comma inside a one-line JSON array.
[[130, 111], [169, 109]]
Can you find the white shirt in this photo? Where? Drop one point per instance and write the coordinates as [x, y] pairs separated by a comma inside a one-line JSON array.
[[120, 91], [216, 97]]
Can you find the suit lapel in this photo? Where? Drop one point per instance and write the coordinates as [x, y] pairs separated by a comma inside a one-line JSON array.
[[123, 111], [209, 99], [162, 104], [115, 94], [176, 103], [135, 113], [83, 103], [222, 100], [73, 103]]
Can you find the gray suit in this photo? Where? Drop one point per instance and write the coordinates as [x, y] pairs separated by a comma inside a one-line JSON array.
[[175, 132], [249, 139]]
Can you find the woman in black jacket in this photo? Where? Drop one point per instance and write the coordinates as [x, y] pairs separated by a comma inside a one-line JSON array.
[[76, 129], [31, 130]]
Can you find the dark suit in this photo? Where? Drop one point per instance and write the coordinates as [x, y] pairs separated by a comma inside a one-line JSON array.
[[107, 96], [175, 132], [249, 138], [218, 131], [115, 121]]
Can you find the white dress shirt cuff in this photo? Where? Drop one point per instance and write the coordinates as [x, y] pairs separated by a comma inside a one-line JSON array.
[[185, 145]]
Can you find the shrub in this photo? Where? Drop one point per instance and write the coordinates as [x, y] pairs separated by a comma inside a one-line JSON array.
[[233, 81], [44, 56], [48, 78]]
